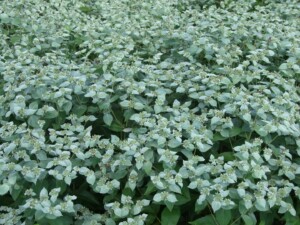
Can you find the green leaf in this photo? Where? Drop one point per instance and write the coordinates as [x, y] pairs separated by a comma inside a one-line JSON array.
[[206, 220], [223, 216], [115, 126], [110, 222], [216, 205], [138, 106], [247, 117], [86, 9], [249, 219], [51, 114], [91, 178], [261, 204], [291, 220], [63, 220], [38, 92], [184, 197], [39, 215], [87, 198], [228, 156], [147, 167], [128, 113], [266, 218], [119, 174], [121, 212], [59, 120], [200, 207], [231, 132], [104, 105], [67, 106], [4, 188], [15, 38], [150, 188], [214, 120], [170, 217], [16, 191], [108, 118], [79, 110], [33, 121], [173, 143], [219, 137], [169, 205]]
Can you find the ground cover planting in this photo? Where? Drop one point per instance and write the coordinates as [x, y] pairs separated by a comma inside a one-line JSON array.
[[149, 112]]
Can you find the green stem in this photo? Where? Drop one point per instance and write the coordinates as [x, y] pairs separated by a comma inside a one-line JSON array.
[[212, 214]]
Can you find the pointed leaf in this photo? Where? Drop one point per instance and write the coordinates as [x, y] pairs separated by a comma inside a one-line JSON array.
[[107, 118], [4, 188], [223, 217], [170, 217]]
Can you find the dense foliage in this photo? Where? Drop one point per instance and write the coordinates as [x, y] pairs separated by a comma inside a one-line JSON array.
[[149, 112]]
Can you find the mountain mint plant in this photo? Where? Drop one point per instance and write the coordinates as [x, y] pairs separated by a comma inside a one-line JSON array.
[[148, 112]]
